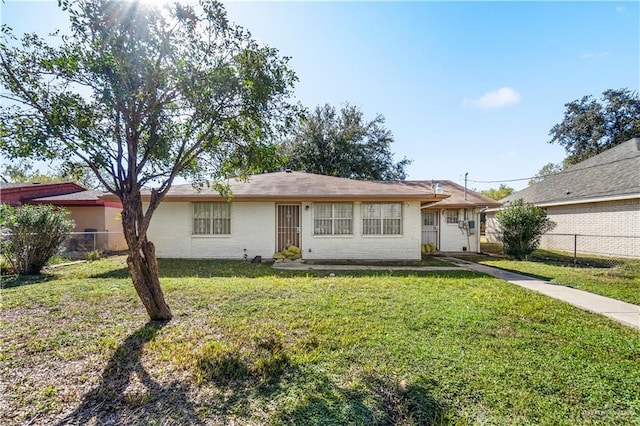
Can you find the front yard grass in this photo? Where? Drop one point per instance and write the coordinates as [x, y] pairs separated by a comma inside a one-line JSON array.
[[615, 278], [250, 345]]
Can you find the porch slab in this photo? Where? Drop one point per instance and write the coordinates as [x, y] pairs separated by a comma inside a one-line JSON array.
[[297, 266]]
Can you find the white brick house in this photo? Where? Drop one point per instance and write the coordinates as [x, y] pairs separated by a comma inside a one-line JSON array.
[[595, 204], [327, 217]]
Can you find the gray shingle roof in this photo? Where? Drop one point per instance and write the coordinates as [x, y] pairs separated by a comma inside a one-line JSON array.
[[87, 195], [612, 173], [307, 186]]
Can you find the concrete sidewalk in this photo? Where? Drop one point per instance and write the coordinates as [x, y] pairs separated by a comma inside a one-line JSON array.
[[622, 312]]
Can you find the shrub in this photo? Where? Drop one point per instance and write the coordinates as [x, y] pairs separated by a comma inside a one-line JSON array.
[[32, 235], [93, 255], [522, 227], [5, 267]]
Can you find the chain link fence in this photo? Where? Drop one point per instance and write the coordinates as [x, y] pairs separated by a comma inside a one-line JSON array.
[[615, 246], [78, 244], [583, 249]]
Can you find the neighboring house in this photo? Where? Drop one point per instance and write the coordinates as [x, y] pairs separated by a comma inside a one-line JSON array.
[[595, 204], [92, 215], [327, 217], [16, 194], [97, 225], [453, 224]]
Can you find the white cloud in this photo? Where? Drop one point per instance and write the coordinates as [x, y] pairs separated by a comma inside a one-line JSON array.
[[500, 98], [591, 55], [620, 9]]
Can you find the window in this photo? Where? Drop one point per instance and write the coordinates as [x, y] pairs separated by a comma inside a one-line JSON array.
[[452, 216], [382, 219], [332, 219], [211, 219]]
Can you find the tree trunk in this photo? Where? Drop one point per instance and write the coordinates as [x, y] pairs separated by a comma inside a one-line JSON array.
[[143, 269], [143, 266]]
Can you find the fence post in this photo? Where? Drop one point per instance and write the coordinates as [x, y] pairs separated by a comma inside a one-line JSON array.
[[575, 249]]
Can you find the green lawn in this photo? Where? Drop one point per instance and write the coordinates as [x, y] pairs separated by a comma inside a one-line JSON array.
[[250, 345], [616, 278]]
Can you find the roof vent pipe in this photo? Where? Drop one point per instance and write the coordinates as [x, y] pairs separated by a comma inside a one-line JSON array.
[[465, 185]]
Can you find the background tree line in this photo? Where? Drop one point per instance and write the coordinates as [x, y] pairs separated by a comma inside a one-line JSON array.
[[589, 126]]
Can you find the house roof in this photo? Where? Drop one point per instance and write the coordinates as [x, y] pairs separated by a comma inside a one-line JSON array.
[[82, 198], [456, 197], [307, 186], [11, 185], [612, 174], [16, 194]]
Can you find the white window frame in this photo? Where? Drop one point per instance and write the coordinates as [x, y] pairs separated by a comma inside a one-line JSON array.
[[453, 219], [214, 217], [376, 219], [332, 220]]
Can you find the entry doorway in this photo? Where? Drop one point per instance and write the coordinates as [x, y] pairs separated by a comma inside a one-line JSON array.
[[430, 228], [287, 226]]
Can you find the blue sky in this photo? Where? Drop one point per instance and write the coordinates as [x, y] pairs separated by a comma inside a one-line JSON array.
[[464, 86]]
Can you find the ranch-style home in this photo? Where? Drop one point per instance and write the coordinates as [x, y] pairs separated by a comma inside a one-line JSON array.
[[326, 217]]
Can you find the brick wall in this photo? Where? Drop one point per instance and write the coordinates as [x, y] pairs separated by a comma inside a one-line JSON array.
[[253, 231], [608, 228]]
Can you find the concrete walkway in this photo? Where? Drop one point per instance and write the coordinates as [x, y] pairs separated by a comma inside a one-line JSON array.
[[622, 312], [298, 266]]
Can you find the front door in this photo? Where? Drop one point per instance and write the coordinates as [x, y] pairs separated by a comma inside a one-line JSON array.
[[430, 227], [287, 226]]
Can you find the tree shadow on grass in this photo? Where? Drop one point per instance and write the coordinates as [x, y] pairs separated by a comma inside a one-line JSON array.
[[260, 376], [12, 281], [114, 273], [253, 381], [377, 399], [127, 394]]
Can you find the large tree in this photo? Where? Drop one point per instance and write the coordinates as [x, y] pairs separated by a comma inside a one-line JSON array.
[[143, 94], [498, 194], [590, 126], [546, 170], [342, 143]]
